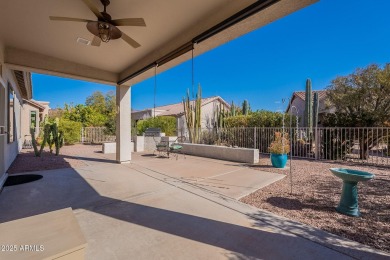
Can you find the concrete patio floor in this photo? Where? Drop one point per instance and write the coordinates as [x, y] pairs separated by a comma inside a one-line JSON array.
[[157, 208]]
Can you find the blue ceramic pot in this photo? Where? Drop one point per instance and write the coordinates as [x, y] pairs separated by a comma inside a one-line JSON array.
[[278, 160]]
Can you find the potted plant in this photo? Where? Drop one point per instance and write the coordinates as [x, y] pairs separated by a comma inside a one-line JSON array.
[[279, 149]]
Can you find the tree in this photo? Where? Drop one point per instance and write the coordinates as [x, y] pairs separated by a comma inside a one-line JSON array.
[[361, 99], [99, 110], [86, 115], [97, 101], [167, 124]]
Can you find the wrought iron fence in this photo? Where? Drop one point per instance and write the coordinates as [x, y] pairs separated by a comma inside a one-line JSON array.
[[368, 145], [95, 135]]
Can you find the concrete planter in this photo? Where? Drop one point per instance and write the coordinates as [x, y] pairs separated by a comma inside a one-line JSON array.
[[244, 155]]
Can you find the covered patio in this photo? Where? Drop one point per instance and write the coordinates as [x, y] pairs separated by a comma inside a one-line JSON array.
[[138, 206], [51, 37], [155, 208]]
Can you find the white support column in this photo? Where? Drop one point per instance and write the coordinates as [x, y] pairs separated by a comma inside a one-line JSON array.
[[123, 124]]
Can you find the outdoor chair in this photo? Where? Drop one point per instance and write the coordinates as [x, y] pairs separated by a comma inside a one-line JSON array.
[[27, 144], [164, 148], [176, 148]]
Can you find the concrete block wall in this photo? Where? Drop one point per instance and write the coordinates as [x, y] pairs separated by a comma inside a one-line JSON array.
[[244, 155], [139, 143]]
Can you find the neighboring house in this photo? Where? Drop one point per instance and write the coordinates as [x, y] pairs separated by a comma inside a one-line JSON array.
[[33, 113], [15, 86], [298, 101], [209, 106]]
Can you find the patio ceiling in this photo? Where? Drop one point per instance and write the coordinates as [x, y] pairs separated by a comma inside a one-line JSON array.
[[31, 42]]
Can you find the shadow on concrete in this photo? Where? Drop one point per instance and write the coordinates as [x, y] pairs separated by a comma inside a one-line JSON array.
[[67, 188], [149, 155], [54, 193], [83, 158]]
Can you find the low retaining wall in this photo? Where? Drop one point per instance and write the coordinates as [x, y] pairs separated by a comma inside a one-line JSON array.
[[244, 155], [139, 143], [111, 147], [150, 142]]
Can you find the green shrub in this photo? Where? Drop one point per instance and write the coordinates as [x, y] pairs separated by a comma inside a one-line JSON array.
[[262, 118], [237, 121], [71, 131], [167, 124]]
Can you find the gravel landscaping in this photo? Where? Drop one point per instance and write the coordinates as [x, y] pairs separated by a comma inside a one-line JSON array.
[[316, 193], [69, 158]]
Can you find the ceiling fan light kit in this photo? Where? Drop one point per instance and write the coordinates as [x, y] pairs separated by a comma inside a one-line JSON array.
[[105, 29]]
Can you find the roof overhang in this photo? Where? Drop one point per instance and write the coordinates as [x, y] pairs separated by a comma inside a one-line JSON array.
[[23, 79], [34, 104], [34, 43]]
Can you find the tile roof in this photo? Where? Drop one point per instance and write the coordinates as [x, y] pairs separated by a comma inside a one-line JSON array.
[[177, 108], [301, 94], [34, 103]]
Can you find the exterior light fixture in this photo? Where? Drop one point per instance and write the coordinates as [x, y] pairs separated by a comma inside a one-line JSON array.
[[104, 31]]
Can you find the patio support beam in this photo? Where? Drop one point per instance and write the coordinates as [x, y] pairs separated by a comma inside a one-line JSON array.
[[17, 59], [123, 124]]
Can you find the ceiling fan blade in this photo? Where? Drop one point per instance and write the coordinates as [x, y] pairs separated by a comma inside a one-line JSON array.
[[96, 41], [129, 22], [94, 9], [68, 19], [130, 41]]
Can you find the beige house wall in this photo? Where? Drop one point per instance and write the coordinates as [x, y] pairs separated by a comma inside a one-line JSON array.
[[207, 117], [8, 151], [26, 111], [45, 112], [300, 105], [208, 113]]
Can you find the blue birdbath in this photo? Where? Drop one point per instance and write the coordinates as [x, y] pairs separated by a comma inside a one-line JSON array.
[[349, 196]]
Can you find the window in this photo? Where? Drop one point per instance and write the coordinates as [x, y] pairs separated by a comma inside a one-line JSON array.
[[11, 115], [33, 119]]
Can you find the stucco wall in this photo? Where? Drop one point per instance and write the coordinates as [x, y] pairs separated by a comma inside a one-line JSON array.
[[8, 151], [300, 105], [207, 117], [26, 110], [245, 155]]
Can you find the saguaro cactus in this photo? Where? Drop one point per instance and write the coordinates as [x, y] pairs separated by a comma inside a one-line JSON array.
[[34, 142], [308, 116], [192, 114], [46, 135], [232, 109], [58, 136], [220, 117], [245, 107], [315, 121], [315, 109], [198, 116], [51, 135], [189, 115]]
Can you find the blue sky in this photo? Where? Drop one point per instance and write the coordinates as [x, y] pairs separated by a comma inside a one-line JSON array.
[[325, 40]]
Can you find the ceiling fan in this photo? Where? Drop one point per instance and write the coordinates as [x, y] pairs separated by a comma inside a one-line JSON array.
[[105, 29]]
